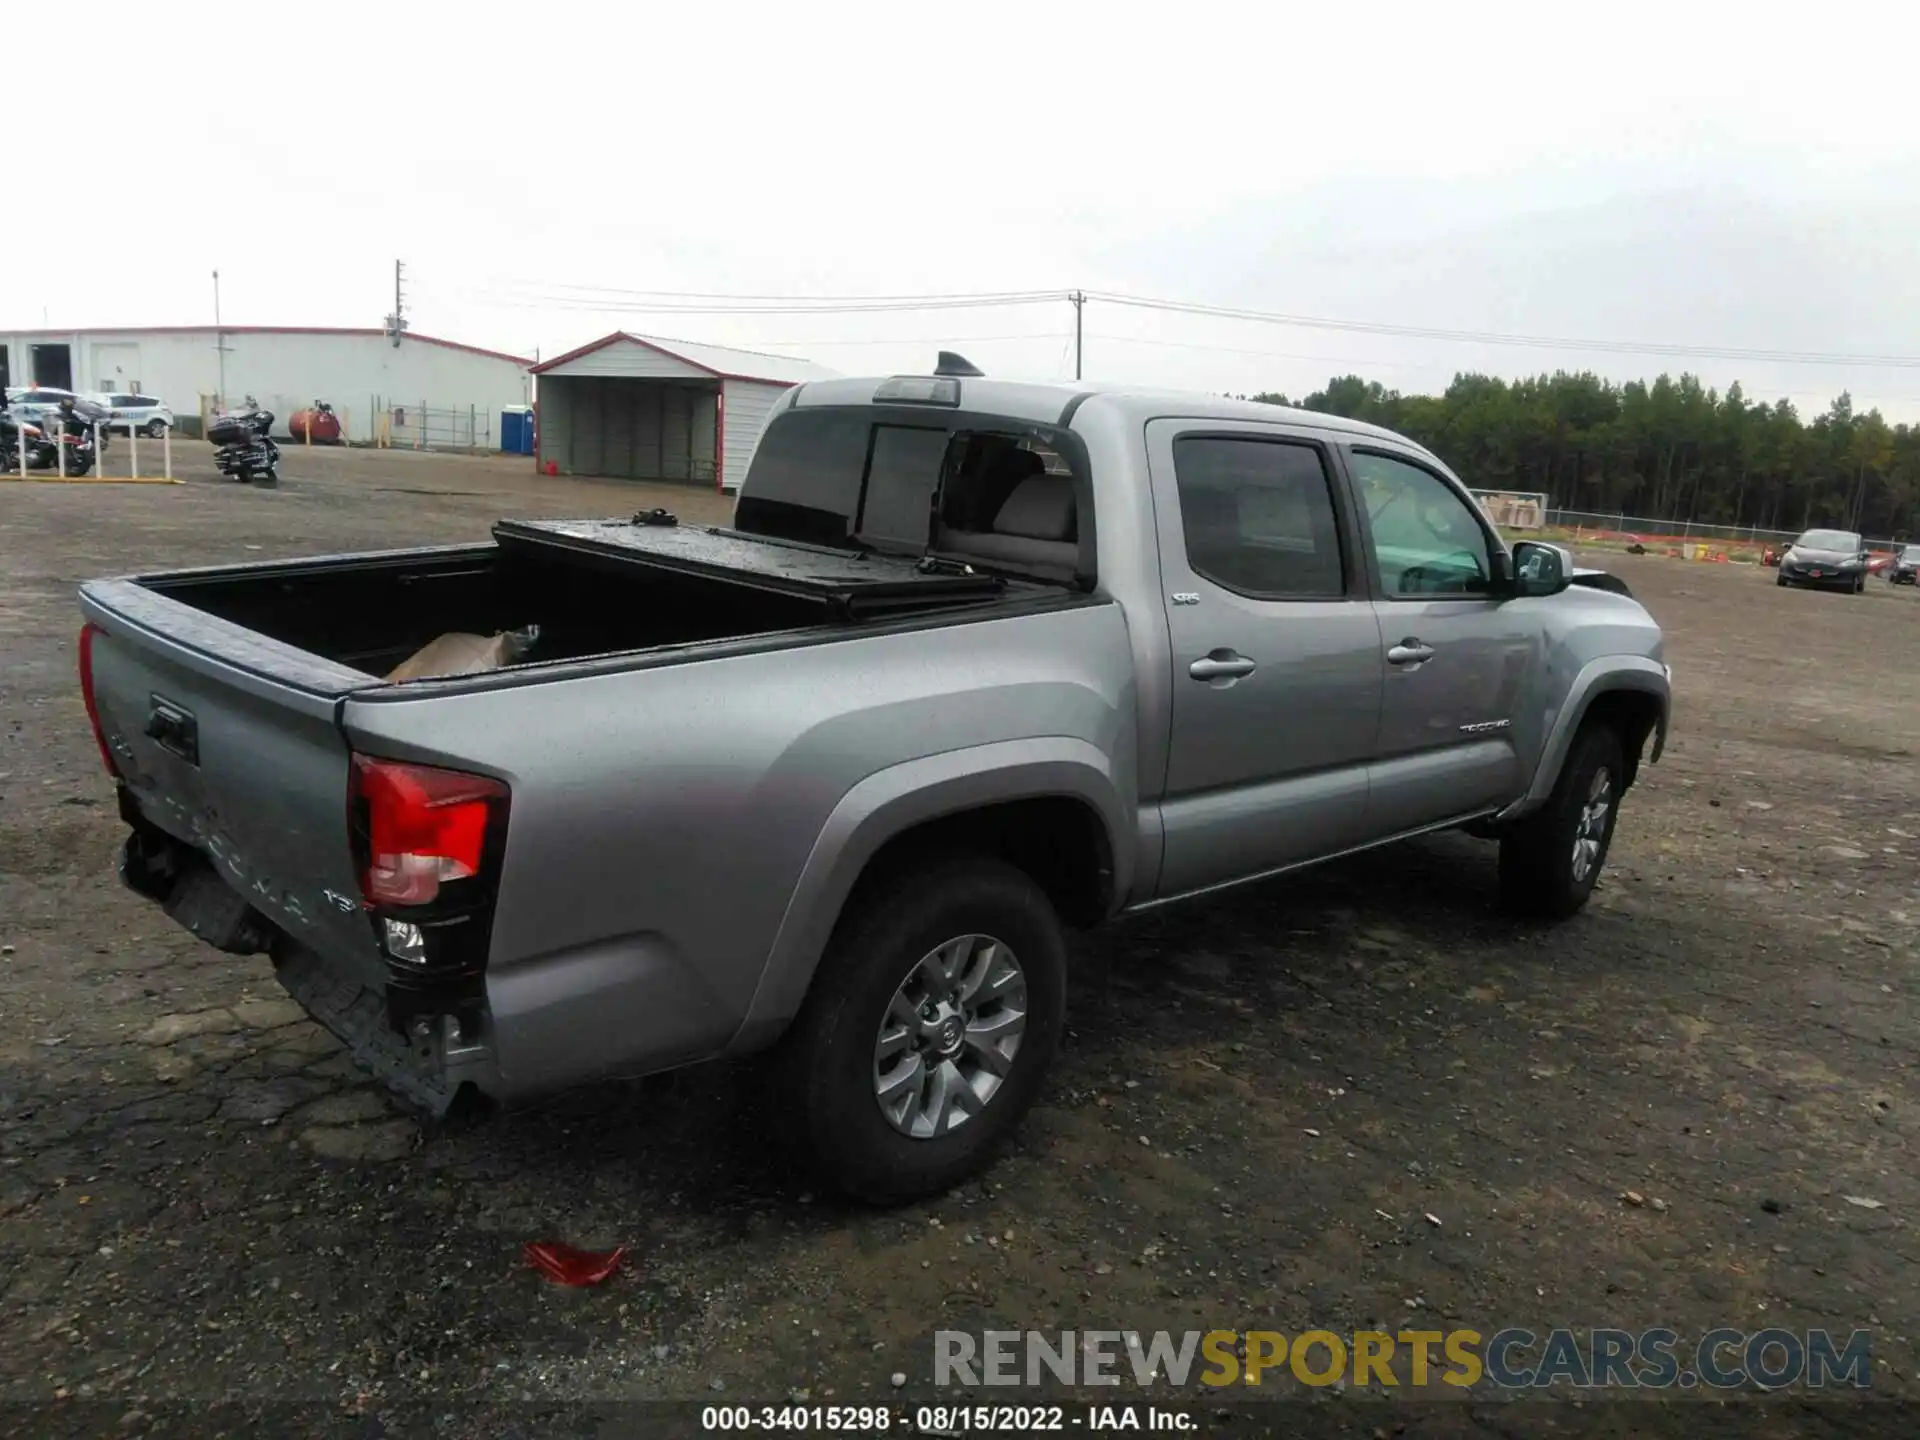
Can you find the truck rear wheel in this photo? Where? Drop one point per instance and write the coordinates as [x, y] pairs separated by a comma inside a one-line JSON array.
[[928, 1029], [1550, 860]]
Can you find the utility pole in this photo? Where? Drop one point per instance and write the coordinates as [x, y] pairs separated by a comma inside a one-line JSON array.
[[397, 321], [219, 341], [1079, 299]]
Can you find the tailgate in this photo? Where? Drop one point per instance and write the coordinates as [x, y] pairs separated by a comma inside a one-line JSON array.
[[230, 742]]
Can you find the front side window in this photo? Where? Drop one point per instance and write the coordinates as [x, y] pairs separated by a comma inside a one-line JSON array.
[[1258, 518], [1426, 539]]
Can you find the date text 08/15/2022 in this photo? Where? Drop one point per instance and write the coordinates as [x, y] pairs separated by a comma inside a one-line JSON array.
[[949, 1419]]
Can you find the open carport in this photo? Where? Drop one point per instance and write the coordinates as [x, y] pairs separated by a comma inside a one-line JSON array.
[[633, 407]]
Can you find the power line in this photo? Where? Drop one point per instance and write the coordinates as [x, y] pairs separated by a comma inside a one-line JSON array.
[[924, 339], [1265, 354], [692, 304], [598, 308], [563, 296], [541, 286], [1487, 337]]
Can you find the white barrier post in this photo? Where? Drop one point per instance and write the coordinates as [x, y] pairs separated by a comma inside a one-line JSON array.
[[60, 446], [133, 449], [99, 453], [166, 450], [20, 435]]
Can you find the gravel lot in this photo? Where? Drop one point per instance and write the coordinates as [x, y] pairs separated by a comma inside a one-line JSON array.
[[1261, 1098]]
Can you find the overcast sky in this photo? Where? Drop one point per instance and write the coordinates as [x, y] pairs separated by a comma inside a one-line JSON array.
[[1694, 174]]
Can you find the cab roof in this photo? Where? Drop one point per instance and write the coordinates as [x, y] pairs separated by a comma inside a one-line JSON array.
[[1056, 403]]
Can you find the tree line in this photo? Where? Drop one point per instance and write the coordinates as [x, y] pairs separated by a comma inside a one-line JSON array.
[[1670, 450]]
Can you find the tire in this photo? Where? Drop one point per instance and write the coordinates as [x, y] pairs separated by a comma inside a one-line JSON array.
[[831, 1068], [1541, 874], [154, 429], [1781, 581], [1860, 586]]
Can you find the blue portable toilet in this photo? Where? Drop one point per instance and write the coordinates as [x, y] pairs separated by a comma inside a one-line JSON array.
[[516, 430]]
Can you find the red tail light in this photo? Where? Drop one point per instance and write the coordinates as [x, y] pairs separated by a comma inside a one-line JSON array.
[[424, 827], [87, 632]]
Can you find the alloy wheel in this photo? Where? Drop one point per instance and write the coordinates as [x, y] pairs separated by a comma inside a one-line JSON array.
[[949, 1036], [1590, 830]]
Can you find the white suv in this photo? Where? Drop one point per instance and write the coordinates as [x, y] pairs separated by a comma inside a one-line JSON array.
[[35, 402], [137, 412]]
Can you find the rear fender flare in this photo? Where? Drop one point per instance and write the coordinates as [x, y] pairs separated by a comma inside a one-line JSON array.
[[894, 800]]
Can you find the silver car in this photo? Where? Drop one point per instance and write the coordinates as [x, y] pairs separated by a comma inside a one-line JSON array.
[[976, 662]]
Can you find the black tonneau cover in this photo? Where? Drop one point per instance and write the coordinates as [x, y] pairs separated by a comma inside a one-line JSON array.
[[854, 584]]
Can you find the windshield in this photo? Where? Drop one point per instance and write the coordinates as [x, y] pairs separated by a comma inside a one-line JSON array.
[[1843, 540], [1912, 552]]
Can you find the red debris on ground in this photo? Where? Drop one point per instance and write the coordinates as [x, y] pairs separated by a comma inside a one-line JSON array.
[[565, 1265]]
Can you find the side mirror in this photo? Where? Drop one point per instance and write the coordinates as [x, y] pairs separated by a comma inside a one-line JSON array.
[[1540, 569]]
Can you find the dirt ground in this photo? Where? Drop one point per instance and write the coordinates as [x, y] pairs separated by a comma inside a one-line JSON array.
[[1261, 1100]]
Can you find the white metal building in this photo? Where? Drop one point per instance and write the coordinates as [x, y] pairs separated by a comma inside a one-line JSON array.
[[640, 408], [286, 368]]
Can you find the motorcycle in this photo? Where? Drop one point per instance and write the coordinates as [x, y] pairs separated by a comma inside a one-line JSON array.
[[73, 429], [246, 452], [15, 433]]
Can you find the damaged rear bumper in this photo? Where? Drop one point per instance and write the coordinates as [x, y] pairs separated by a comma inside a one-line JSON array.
[[439, 1058], [446, 1062]]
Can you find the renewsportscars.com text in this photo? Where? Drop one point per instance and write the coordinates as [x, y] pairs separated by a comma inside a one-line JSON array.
[[1508, 1359]]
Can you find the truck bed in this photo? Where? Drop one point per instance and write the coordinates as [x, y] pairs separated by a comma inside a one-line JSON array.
[[593, 588]]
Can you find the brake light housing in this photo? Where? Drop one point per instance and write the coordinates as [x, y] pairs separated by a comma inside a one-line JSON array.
[[422, 828], [87, 632]]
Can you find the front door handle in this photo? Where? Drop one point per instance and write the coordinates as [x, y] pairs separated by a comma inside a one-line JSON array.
[[1221, 665], [1409, 652]]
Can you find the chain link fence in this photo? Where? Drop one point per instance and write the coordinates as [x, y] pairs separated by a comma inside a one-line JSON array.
[[1645, 527], [400, 425]]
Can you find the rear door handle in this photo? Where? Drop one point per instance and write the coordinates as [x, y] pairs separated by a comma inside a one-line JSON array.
[[1409, 652], [1221, 665]]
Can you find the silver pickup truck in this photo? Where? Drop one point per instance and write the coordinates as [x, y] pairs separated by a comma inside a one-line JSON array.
[[975, 661]]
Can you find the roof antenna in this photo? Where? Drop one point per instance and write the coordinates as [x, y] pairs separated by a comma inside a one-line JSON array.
[[951, 363]]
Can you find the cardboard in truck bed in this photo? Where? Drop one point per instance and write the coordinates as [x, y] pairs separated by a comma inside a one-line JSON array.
[[458, 654]]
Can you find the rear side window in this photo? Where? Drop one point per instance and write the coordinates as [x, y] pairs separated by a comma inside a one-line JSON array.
[[1258, 516]]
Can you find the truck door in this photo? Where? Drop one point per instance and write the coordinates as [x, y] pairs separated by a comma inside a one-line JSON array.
[[1457, 658], [1277, 660]]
